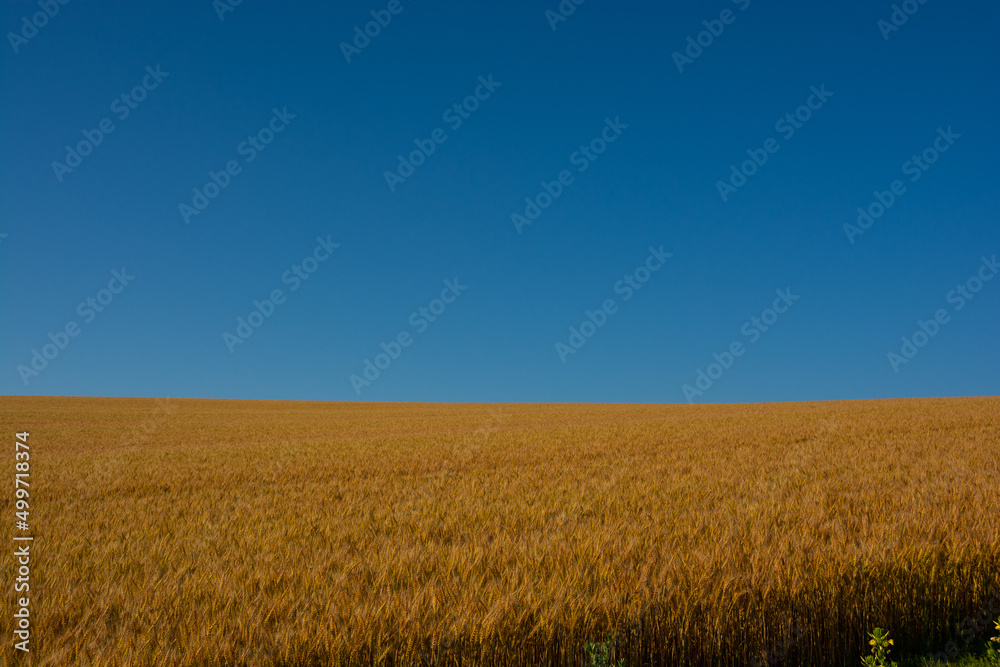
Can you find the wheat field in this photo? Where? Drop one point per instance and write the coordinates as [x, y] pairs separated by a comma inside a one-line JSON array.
[[209, 532]]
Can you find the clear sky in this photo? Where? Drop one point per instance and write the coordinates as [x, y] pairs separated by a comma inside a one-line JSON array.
[[673, 188]]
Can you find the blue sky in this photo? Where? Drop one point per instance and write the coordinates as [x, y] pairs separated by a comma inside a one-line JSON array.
[[640, 136]]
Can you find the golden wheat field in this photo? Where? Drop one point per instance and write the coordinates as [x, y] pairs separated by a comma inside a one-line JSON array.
[[209, 532]]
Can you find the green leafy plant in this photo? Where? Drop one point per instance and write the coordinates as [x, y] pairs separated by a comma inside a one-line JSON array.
[[600, 653], [993, 647], [880, 644]]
